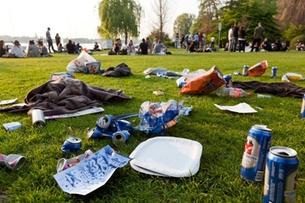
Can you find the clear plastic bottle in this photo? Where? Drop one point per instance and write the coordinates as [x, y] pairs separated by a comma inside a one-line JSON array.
[[231, 92]]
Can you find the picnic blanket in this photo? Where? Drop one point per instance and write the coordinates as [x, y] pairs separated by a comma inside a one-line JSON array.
[[282, 89], [66, 95]]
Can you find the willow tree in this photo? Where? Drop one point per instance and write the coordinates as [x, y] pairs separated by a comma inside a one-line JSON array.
[[119, 17]]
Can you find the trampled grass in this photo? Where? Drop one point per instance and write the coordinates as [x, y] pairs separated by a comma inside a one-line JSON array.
[[221, 134]]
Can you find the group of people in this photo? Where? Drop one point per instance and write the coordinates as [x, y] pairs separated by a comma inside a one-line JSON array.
[[17, 51], [300, 46], [237, 40], [196, 42], [144, 48]]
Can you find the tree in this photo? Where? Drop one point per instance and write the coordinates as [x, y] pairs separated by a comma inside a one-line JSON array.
[[183, 23], [248, 13], [208, 16], [161, 10], [119, 17], [291, 12]]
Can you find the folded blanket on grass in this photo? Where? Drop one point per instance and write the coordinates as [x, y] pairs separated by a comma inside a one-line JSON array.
[[66, 95], [282, 89]]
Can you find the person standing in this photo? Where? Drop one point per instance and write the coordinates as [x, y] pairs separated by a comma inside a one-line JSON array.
[[242, 39], [177, 41], [230, 38], [57, 40], [49, 40], [258, 37], [235, 36], [149, 44], [143, 47]]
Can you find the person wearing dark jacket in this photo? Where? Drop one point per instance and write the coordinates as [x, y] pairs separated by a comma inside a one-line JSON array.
[[258, 37], [70, 47], [242, 39], [235, 36], [143, 47]]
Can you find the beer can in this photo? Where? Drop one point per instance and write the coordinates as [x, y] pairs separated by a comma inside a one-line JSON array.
[[38, 118], [280, 176], [72, 144], [274, 72], [228, 79], [254, 157], [303, 108], [245, 70]]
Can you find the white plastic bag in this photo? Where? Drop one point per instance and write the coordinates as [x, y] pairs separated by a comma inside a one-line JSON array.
[[288, 77], [78, 65]]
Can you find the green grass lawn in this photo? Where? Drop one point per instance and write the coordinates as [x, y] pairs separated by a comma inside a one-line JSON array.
[[221, 134]]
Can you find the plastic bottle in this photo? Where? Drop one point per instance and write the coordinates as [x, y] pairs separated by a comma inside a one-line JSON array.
[[231, 92]]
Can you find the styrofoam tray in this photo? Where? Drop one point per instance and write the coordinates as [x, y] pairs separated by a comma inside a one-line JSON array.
[[168, 156]]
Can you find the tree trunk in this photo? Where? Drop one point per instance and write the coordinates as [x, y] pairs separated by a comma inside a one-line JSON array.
[[126, 37], [291, 11]]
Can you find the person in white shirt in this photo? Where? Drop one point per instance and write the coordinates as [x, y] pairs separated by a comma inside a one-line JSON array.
[[17, 51], [230, 38]]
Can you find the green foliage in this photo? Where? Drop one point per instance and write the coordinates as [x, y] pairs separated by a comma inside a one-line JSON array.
[[183, 23], [221, 134], [293, 31], [119, 17], [248, 13]]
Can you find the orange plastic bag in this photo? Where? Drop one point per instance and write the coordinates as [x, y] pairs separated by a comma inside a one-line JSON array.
[[258, 69], [204, 83]]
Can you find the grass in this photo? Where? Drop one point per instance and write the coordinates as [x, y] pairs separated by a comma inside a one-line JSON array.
[[221, 134]]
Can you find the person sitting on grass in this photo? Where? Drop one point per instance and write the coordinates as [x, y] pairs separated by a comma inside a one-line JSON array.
[[43, 50], [70, 47], [33, 50], [159, 48], [17, 51], [96, 47], [3, 49]]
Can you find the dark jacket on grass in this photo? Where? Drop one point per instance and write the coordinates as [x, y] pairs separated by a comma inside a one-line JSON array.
[[65, 96]]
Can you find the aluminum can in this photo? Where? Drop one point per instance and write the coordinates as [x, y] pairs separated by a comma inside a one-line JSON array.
[[280, 176], [303, 108], [254, 157], [72, 144], [274, 72], [228, 79], [245, 70]]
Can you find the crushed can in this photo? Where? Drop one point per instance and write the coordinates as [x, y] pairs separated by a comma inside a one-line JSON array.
[[72, 144], [64, 164], [280, 176], [303, 108], [274, 72], [245, 70], [255, 152]]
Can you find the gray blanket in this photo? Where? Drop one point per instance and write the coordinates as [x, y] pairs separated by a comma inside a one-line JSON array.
[[65, 96]]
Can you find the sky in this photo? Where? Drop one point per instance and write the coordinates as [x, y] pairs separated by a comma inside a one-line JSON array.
[[75, 18]]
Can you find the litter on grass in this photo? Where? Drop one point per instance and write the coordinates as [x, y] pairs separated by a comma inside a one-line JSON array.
[[7, 102], [84, 63], [91, 173], [12, 126], [92, 110], [204, 83], [258, 69], [155, 118], [72, 144], [158, 93], [239, 108], [167, 156], [12, 161], [290, 77]]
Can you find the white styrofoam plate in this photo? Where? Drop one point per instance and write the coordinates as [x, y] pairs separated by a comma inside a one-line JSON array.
[[148, 172], [168, 156]]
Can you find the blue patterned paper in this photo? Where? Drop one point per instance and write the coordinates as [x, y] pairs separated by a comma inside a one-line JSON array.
[[91, 173]]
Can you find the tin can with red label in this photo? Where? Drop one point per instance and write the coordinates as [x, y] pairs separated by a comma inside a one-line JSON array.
[[254, 156]]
